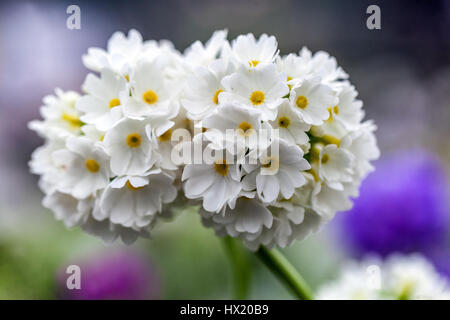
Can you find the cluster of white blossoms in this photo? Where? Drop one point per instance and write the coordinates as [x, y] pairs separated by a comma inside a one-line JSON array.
[[400, 277], [109, 163]]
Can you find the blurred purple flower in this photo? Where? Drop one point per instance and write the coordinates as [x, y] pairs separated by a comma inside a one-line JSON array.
[[402, 207], [116, 275]]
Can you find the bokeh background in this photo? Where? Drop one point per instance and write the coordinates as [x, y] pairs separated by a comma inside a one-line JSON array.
[[402, 73]]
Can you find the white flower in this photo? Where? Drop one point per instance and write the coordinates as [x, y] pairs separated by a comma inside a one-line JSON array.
[[215, 183], [291, 127], [61, 119], [202, 55], [311, 101], [276, 173], [322, 65], [348, 110], [248, 51], [102, 105], [201, 95], [120, 56], [85, 167], [235, 127], [326, 201], [363, 145], [150, 92], [399, 277], [130, 144], [335, 166], [414, 278], [70, 210], [91, 132], [261, 89], [109, 231], [357, 281], [294, 67], [245, 218], [134, 201]]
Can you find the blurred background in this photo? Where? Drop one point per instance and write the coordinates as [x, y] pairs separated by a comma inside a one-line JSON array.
[[402, 73]]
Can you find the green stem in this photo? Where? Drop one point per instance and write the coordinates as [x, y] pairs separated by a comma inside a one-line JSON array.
[[285, 271], [241, 267]]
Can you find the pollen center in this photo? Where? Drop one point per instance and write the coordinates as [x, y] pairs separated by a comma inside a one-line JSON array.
[[325, 158], [245, 129], [302, 102], [336, 109], [284, 122], [114, 103], [92, 165], [72, 120], [216, 96], [253, 63], [270, 163], [257, 97], [131, 187], [165, 136], [134, 140], [221, 168], [150, 97]]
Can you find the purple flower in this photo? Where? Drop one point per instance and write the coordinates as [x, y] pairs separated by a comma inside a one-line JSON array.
[[112, 275], [402, 207]]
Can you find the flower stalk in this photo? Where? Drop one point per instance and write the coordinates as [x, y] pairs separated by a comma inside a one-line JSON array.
[[241, 267], [285, 271]]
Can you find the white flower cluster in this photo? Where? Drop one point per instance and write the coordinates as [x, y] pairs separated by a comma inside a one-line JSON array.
[[400, 277], [108, 162]]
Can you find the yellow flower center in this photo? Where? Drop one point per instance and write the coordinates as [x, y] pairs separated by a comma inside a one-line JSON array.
[[336, 109], [329, 139], [271, 162], [325, 158], [150, 97], [221, 168], [253, 63], [245, 129], [257, 97], [301, 102], [131, 187], [127, 77], [72, 120], [114, 103], [134, 140], [330, 111], [289, 79], [92, 165], [284, 122], [165, 136], [216, 96]]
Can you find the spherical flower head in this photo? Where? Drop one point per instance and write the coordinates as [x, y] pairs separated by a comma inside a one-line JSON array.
[[282, 142], [113, 275], [403, 206]]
